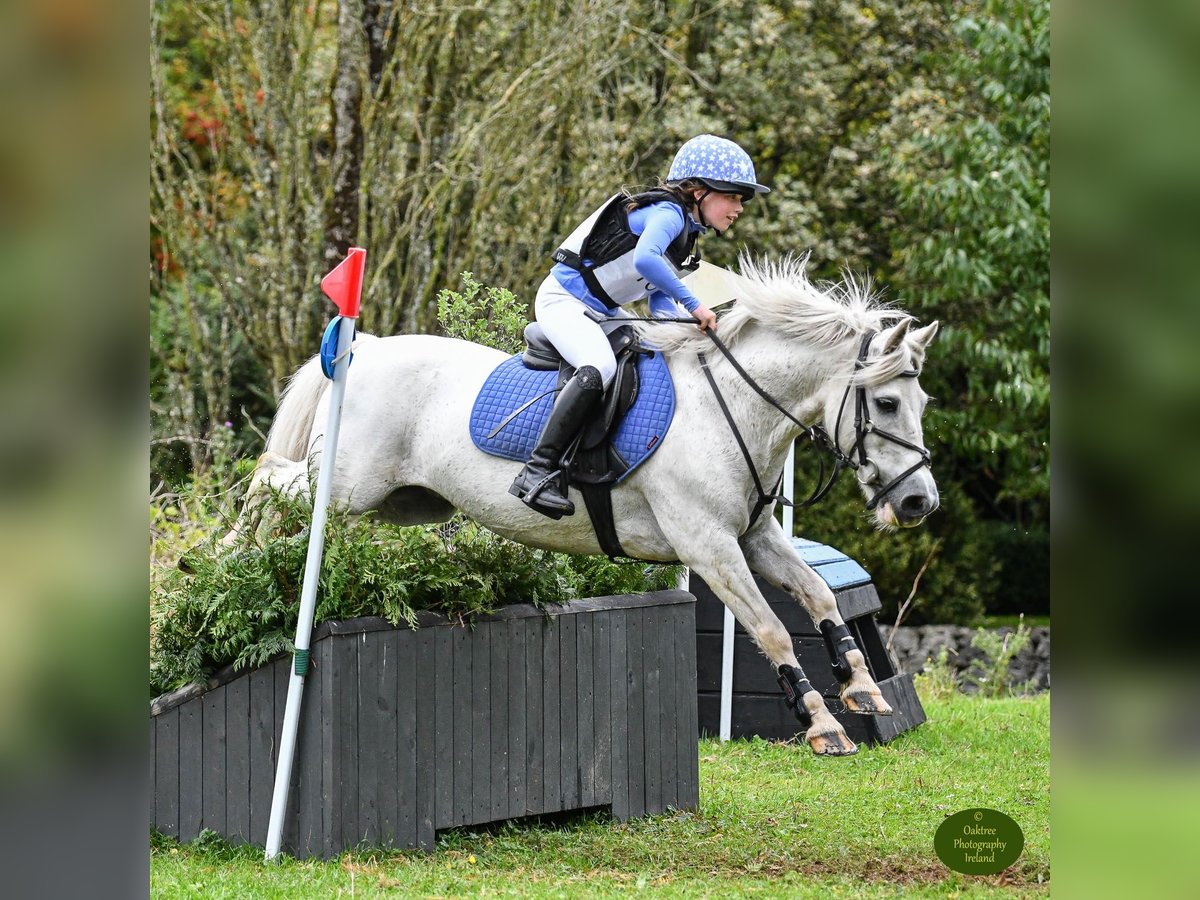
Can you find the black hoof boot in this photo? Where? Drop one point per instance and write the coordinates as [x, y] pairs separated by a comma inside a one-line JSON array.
[[795, 685], [541, 485]]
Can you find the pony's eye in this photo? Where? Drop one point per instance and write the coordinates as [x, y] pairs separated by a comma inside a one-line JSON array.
[[886, 404]]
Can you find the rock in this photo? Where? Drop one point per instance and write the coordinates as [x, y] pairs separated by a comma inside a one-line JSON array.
[[913, 645]]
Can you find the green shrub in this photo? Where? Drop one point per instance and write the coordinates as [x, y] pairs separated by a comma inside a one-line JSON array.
[[990, 673], [486, 315], [239, 604], [938, 679]]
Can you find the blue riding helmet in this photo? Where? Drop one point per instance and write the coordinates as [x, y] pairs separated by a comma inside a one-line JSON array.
[[717, 163]]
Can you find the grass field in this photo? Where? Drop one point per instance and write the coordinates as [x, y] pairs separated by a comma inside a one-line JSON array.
[[773, 821]]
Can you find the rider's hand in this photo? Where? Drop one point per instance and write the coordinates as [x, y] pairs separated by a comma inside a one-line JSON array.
[[706, 317]]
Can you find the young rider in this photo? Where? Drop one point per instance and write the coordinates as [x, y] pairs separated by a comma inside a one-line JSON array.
[[629, 248]]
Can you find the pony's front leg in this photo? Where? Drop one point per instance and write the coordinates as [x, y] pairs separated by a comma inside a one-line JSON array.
[[723, 567], [773, 557]]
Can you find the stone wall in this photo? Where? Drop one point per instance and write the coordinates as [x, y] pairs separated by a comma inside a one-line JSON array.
[[913, 645]]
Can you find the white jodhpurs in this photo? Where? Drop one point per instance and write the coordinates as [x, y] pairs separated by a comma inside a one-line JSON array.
[[578, 339]]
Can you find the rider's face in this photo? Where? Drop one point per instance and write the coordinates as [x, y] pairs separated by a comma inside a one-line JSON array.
[[720, 210]]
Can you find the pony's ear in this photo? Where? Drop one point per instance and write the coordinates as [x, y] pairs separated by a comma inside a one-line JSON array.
[[895, 336], [920, 339], [923, 336]]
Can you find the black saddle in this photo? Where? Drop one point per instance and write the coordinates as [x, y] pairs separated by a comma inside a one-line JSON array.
[[591, 463]]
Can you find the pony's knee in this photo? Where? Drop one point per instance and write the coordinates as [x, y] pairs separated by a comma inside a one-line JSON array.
[[775, 642]]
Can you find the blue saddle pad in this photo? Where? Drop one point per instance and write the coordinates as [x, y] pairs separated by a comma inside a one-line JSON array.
[[513, 384]]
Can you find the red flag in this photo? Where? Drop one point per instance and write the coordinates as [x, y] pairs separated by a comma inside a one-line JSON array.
[[344, 284]]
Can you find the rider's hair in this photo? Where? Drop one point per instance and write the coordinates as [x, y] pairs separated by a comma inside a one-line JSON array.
[[680, 190]]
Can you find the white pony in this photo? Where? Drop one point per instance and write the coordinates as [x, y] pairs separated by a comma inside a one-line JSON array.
[[827, 356]]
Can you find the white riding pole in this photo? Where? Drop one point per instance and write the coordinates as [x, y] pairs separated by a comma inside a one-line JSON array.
[[727, 676], [345, 284]]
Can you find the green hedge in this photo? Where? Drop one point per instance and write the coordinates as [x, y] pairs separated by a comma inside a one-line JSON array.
[[240, 604]]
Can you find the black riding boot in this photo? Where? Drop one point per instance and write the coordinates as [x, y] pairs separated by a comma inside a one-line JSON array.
[[539, 485]]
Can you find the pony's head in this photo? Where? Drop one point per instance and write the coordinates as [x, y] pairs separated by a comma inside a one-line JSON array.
[[875, 418]]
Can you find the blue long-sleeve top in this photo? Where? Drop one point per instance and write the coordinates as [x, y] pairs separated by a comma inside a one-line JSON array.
[[656, 225]]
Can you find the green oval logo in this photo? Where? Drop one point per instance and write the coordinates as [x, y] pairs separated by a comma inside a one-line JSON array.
[[978, 841]]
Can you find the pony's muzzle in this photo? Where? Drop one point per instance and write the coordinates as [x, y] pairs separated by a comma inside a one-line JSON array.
[[914, 499]]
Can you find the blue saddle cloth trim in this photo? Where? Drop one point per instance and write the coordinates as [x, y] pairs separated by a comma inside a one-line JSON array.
[[512, 384], [329, 342]]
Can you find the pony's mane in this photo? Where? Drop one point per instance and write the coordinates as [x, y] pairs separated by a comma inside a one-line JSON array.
[[779, 296]]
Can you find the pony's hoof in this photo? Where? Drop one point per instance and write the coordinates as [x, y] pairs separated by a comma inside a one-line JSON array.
[[832, 744], [867, 703]]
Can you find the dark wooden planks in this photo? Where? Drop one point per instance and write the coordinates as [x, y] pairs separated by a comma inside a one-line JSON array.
[[619, 681], [262, 751], [479, 806], [153, 772], [237, 760], [635, 700], [585, 731], [166, 769], [426, 762], [343, 717], [282, 673], [756, 694], [461, 731], [688, 733], [498, 719], [313, 767], [602, 706], [443, 711], [516, 632], [551, 713], [568, 719], [370, 750], [668, 714], [523, 714], [215, 785], [535, 730], [191, 770], [405, 799]]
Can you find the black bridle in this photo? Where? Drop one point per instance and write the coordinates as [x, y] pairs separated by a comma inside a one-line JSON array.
[[864, 426]]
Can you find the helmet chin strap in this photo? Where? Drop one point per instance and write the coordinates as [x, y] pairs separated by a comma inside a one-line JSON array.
[[700, 209]]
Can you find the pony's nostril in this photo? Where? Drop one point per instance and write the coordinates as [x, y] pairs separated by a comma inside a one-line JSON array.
[[915, 505]]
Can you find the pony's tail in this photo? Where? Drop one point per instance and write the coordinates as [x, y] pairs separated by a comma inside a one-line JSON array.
[[289, 434]]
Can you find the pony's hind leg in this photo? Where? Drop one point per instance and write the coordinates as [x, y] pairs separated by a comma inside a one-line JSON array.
[[772, 556], [724, 569]]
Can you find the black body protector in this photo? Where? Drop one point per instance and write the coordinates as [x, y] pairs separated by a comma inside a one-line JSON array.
[[601, 249]]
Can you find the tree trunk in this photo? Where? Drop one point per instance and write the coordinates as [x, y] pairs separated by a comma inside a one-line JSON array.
[[342, 220]]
